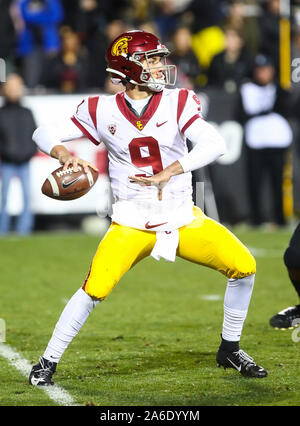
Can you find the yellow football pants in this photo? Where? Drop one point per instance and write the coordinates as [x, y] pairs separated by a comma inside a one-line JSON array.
[[203, 241]]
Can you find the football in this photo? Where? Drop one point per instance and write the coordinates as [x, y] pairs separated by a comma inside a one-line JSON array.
[[67, 184]]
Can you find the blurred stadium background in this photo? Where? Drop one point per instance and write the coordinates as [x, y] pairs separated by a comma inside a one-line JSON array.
[[58, 47]]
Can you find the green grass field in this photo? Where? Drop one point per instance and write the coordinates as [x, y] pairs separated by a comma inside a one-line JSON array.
[[153, 341]]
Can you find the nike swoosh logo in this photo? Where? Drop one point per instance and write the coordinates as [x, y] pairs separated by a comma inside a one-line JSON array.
[[158, 125], [66, 185], [235, 366], [147, 226], [36, 381]]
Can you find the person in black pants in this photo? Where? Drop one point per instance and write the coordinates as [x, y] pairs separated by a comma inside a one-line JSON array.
[[262, 109], [290, 317], [259, 163]]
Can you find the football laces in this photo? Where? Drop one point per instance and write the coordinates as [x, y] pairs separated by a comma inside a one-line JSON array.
[[67, 171]]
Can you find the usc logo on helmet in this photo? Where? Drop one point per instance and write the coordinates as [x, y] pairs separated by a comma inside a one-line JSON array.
[[120, 46]]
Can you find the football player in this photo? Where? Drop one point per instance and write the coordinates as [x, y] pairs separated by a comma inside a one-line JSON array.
[[145, 129], [290, 317]]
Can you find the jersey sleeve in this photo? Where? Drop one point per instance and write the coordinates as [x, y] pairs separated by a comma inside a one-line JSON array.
[[85, 118], [188, 109]]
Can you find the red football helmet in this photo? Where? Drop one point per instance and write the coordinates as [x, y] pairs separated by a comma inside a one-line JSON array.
[[124, 56]]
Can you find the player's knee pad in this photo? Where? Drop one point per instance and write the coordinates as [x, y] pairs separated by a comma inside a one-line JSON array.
[[98, 288], [245, 266], [291, 258], [95, 296]]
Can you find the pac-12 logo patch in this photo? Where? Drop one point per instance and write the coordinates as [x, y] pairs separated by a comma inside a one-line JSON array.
[[120, 46], [112, 128]]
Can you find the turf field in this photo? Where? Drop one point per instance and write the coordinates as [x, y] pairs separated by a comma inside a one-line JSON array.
[[154, 340]]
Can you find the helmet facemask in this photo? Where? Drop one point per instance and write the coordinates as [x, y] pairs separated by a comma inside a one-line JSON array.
[[129, 61], [169, 72]]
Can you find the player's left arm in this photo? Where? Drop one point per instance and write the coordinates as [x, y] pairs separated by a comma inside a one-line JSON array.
[[208, 146]]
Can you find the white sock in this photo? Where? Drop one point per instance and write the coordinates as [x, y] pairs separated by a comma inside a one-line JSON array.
[[236, 302], [70, 322]]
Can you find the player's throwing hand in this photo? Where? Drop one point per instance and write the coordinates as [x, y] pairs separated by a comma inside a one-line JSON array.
[[66, 159]]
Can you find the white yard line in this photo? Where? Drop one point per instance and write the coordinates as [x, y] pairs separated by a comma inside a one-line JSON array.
[[260, 252], [59, 395], [212, 297]]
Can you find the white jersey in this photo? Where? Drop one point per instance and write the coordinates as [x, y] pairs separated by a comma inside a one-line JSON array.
[[144, 146]]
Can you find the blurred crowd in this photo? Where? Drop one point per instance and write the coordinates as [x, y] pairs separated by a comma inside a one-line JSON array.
[[59, 45]]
